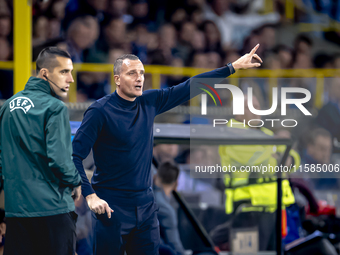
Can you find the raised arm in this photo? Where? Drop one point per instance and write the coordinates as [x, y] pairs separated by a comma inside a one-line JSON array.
[[169, 98]]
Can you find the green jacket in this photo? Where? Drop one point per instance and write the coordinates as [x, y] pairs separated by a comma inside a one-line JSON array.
[[35, 160]]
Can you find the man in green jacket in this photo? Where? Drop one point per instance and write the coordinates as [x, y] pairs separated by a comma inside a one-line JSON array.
[[36, 167]]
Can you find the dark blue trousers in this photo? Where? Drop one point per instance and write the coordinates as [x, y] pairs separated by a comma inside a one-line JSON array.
[[133, 226]]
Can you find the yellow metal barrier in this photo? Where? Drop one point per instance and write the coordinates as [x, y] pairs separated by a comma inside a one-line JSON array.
[[22, 43], [157, 71], [289, 6]]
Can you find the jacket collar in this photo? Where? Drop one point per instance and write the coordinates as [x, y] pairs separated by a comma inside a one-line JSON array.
[[35, 83]]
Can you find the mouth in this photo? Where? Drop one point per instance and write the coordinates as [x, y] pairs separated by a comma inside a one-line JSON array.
[[138, 87], [67, 88]]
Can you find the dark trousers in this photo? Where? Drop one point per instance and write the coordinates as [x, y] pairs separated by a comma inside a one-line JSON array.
[[52, 235], [134, 229]]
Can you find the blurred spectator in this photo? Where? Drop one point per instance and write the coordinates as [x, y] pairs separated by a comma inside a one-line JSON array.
[[5, 26], [336, 61], [318, 151], [54, 29], [81, 35], [250, 42], [200, 60], [6, 88], [272, 61], [197, 17], [80, 8], [55, 14], [198, 42], [212, 35], [165, 181], [40, 31], [302, 60], [303, 44], [247, 6], [234, 27], [5, 50], [173, 80], [139, 45], [285, 55], [165, 51], [323, 60], [167, 36], [140, 14], [178, 18], [114, 54], [318, 148], [84, 228], [214, 60], [184, 46], [5, 7], [267, 37], [165, 153], [94, 84], [118, 9], [54, 10], [231, 56], [114, 35], [40, 7], [329, 115]]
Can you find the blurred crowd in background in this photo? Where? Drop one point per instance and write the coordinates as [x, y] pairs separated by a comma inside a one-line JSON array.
[[195, 33]]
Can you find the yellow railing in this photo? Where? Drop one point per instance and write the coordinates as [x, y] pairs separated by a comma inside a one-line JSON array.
[[157, 71]]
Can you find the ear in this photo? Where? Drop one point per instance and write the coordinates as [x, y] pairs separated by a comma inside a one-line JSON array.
[[117, 79], [43, 72]]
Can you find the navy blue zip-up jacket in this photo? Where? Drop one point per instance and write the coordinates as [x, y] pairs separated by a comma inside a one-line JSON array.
[[121, 135]]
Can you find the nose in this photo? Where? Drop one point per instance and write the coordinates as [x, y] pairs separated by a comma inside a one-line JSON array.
[[139, 77], [70, 79]]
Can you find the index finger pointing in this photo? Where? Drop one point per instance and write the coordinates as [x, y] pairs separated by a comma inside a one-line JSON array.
[[254, 49], [108, 211]]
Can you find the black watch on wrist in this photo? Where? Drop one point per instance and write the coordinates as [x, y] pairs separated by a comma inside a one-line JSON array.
[[231, 68]]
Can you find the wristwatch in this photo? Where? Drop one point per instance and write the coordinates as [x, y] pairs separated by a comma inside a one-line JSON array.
[[231, 68]]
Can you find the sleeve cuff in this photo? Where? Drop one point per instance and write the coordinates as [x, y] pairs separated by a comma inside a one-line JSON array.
[[231, 68]]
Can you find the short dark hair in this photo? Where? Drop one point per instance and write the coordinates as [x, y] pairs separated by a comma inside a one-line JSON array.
[[47, 58], [168, 173], [303, 38], [119, 61]]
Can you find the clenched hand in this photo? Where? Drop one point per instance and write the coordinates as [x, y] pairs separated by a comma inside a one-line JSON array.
[[98, 205]]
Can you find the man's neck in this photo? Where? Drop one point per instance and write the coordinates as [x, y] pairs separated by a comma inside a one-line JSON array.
[[166, 188], [122, 95]]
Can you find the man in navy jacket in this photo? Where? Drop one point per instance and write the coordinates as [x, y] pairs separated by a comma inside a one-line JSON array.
[[119, 129]]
